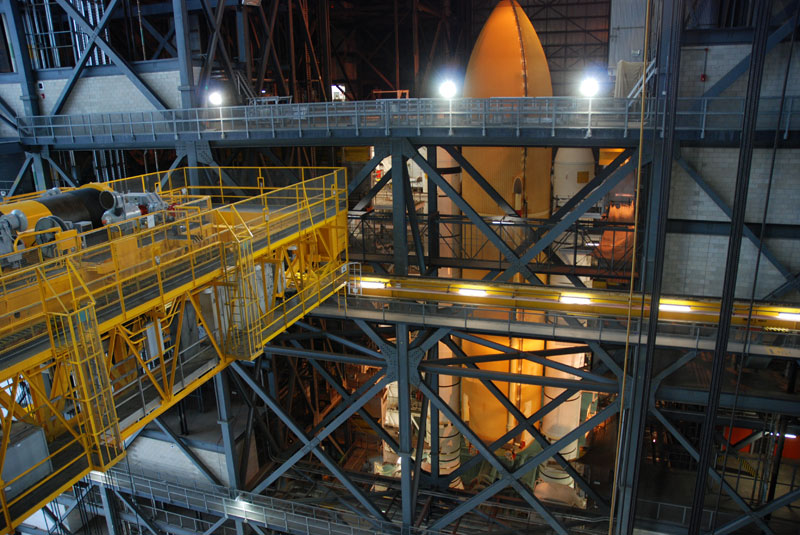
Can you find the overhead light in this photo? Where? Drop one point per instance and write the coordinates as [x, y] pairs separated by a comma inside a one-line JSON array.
[[215, 98], [592, 244], [574, 300], [447, 89], [589, 86], [789, 435], [669, 307], [472, 292], [789, 316], [373, 285]]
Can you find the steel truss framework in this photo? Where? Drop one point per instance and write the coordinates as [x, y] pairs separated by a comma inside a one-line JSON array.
[[408, 354]]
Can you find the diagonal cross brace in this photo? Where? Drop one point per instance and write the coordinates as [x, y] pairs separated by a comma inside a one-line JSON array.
[[536, 460], [130, 504], [559, 228], [481, 181], [533, 357], [506, 477], [79, 65], [749, 234], [470, 212], [549, 407], [312, 445], [115, 57], [188, 452], [348, 399], [530, 428], [711, 472]]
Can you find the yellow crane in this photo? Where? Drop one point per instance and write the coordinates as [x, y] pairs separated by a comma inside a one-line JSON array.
[[112, 314]]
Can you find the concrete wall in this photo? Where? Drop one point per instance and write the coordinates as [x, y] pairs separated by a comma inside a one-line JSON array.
[[722, 58], [694, 264], [96, 94]]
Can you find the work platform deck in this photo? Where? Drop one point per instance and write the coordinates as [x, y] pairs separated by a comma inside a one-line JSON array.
[[540, 121]]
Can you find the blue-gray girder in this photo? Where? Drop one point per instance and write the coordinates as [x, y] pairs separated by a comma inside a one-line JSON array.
[[187, 451], [72, 79], [506, 476], [529, 427], [559, 228], [748, 233], [120, 62], [131, 504], [469, 211], [311, 445], [586, 329], [510, 478], [726, 487]]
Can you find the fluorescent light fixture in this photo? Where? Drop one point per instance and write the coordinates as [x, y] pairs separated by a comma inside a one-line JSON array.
[[592, 244], [472, 292], [574, 300], [215, 98], [668, 307], [589, 87], [447, 89], [789, 316], [373, 285], [789, 435]]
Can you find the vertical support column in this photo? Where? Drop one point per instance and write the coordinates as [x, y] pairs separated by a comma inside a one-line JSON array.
[[324, 26], [433, 355], [433, 215], [30, 96], [633, 415], [399, 185], [243, 42], [396, 46], [181, 20], [112, 518], [415, 44], [222, 391], [739, 207], [404, 406]]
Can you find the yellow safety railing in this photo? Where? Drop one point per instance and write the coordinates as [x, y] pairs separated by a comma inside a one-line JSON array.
[[78, 372]]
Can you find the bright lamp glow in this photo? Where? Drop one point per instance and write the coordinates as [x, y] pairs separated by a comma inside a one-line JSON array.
[[215, 98], [788, 316], [447, 89], [472, 292], [373, 285], [574, 300], [589, 87], [789, 435], [668, 307]]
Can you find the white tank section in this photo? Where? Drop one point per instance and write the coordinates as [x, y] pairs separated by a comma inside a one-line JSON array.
[[563, 419], [572, 169]]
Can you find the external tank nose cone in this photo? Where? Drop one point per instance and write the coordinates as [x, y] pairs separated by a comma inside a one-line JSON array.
[[508, 59]]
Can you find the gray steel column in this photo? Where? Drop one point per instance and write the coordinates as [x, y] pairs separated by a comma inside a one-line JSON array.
[[112, 520], [399, 185], [30, 97], [633, 415], [404, 406], [433, 215], [758, 55], [181, 19], [222, 390]]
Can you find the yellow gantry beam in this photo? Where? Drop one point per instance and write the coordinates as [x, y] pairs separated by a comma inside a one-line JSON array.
[[580, 302]]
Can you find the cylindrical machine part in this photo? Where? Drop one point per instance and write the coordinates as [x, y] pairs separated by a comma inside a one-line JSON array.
[[573, 168], [82, 204], [449, 235], [564, 418]]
